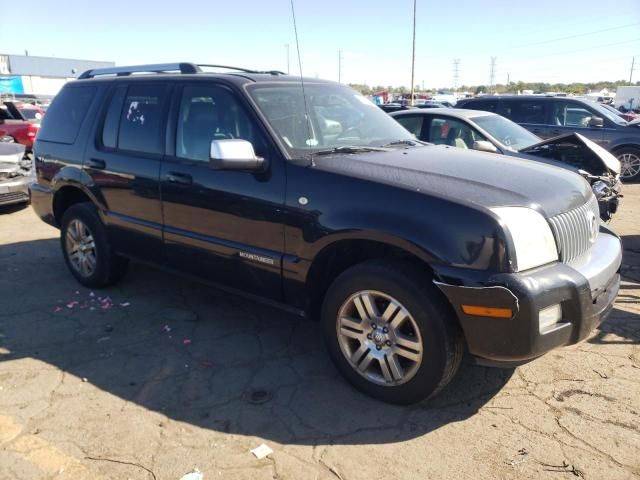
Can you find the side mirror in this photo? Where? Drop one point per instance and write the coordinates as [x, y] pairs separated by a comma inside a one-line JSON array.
[[233, 154], [484, 146], [596, 122]]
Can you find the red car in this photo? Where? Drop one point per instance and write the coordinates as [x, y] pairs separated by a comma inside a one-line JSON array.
[[13, 124]]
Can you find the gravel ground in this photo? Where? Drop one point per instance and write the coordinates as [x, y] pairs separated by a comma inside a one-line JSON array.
[[165, 376]]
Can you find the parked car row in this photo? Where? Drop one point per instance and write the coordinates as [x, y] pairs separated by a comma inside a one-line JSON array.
[[313, 199], [489, 132], [552, 116]]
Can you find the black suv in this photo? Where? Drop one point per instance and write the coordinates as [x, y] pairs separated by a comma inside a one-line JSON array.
[[548, 116], [306, 195]]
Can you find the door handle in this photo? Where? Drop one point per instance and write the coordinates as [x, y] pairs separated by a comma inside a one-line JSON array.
[[96, 164], [181, 178]]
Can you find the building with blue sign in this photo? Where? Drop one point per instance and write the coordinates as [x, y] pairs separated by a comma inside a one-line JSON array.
[[25, 74]]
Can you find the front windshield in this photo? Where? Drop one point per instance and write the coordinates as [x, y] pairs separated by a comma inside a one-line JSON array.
[[506, 132], [338, 117]]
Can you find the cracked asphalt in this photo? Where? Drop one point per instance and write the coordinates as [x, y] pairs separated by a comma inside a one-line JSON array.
[[166, 375]]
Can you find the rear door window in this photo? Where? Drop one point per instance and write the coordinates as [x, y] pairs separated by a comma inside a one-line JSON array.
[[526, 111], [142, 119], [112, 119], [64, 117]]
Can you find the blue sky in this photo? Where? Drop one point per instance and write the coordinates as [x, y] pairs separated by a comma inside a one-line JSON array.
[[540, 40]]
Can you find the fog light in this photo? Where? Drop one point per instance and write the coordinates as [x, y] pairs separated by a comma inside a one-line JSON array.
[[549, 316]]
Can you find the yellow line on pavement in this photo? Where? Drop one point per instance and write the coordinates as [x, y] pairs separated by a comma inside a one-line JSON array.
[[53, 462]]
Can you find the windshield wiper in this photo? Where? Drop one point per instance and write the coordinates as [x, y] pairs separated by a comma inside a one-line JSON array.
[[410, 143], [350, 149]]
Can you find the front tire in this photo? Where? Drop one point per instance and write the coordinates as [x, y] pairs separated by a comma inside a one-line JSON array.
[[629, 163], [86, 248], [390, 333]]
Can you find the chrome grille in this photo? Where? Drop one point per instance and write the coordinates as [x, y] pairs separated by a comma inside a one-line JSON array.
[[572, 230]]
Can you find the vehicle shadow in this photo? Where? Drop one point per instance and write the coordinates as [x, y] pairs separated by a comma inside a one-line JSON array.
[[16, 207], [201, 356]]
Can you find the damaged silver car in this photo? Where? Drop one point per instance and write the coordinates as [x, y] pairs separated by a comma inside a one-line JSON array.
[[489, 132], [16, 174]]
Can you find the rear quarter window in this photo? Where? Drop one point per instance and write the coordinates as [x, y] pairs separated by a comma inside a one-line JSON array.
[[64, 117]]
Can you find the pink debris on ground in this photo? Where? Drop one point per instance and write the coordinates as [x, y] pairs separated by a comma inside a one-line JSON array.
[[57, 309], [106, 303], [72, 304], [186, 341], [166, 328], [125, 304]]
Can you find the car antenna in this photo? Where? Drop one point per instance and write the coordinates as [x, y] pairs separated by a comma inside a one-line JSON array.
[[304, 96]]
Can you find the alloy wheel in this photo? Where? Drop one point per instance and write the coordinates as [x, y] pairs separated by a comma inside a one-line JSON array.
[[81, 248], [379, 338], [630, 165]]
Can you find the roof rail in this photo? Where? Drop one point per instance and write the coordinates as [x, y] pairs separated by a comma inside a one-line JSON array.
[[154, 68], [239, 69]]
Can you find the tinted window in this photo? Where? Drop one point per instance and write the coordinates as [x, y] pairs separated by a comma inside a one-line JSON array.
[[141, 119], [570, 114], [448, 131], [525, 111], [64, 117], [413, 123], [212, 113], [484, 105], [110, 129]]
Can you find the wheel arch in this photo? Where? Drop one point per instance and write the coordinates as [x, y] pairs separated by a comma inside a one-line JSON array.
[[341, 254], [68, 195]]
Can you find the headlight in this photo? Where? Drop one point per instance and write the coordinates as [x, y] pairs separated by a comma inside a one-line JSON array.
[[533, 240]]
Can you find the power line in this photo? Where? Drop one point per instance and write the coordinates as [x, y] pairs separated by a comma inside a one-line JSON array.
[[594, 32]]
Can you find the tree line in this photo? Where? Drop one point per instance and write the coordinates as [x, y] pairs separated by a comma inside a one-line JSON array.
[[512, 87]]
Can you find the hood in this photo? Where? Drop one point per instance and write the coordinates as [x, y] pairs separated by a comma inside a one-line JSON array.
[[484, 179], [576, 151]]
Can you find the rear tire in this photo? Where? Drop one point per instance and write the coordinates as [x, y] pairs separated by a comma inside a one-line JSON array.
[[86, 248], [629, 162], [414, 348]]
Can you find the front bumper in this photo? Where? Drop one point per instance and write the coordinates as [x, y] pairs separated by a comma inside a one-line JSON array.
[[15, 190], [586, 290]]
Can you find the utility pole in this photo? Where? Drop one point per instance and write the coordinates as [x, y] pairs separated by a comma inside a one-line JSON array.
[[456, 73], [339, 65], [413, 53], [633, 61], [286, 46], [492, 73]]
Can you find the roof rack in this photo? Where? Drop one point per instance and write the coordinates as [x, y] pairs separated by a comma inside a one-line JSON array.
[[155, 68], [239, 69]]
